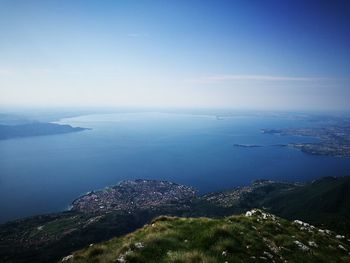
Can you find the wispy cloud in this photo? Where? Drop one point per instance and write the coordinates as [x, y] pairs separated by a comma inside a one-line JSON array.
[[227, 78]]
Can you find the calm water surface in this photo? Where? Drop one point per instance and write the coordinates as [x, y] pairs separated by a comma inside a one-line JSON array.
[[44, 174]]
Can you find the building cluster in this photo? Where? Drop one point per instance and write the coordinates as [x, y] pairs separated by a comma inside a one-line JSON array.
[[132, 195]]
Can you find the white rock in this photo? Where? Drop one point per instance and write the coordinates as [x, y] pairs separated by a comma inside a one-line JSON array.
[[67, 258], [121, 259], [328, 232], [301, 246], [139, 245], [299, 222], [312, 244], [248, 213], [339, 237], [342, 248], [304, 226]]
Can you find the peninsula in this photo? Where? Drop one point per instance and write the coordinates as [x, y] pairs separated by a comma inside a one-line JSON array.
[[35, 129], [334, 140]]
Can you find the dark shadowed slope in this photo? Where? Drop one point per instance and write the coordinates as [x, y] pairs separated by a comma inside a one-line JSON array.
[[323, 202]]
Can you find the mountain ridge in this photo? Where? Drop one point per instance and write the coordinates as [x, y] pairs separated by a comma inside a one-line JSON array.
[[256, 236]]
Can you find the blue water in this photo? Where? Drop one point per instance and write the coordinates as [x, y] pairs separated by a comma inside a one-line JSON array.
[[44, 174]]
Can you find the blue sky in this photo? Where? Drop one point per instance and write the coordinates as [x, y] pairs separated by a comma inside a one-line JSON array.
[[202, 54]]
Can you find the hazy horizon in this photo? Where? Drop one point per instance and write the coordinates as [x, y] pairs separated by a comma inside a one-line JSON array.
[[271, 55]]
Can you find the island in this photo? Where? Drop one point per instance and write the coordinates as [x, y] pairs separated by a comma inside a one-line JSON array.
[[334, 140], [35, 129], [247, 145]]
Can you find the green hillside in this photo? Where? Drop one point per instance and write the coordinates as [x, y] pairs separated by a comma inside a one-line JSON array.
[[254, 237], [324, 202]]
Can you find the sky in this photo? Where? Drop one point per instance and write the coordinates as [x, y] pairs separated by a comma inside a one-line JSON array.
[[283, 55]]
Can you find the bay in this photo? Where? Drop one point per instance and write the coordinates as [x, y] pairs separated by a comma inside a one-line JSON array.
[[46, 173]]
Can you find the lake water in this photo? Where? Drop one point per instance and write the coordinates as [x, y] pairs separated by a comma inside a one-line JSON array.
[[44, 174]]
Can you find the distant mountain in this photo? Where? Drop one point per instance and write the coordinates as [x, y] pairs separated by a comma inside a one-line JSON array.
[[254, 237], [35, 129]]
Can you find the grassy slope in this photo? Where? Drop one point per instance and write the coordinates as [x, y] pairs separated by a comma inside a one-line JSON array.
[[231, 239]]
